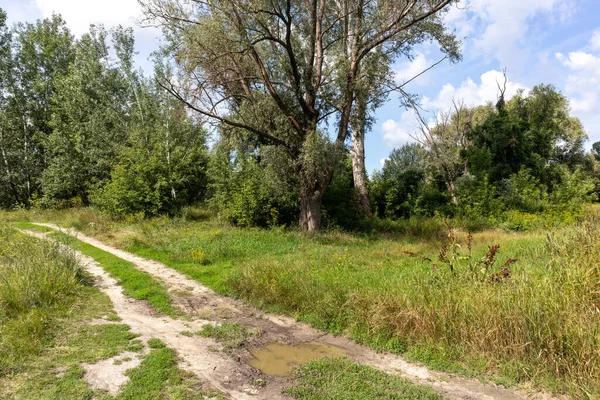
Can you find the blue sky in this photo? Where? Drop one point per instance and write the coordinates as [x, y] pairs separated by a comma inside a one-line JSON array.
[[537, 41]]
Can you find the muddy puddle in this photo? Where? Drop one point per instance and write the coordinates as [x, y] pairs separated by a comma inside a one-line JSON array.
[[277, 359]]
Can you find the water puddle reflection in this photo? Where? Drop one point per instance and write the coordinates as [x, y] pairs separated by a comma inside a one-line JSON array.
[[278, 359]]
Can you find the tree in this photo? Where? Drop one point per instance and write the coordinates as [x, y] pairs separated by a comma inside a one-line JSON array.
[[376, 81], [446, 141], [275, 69], [397, 187], [89, 123], [162, 165], [39, 56], [596, 150], [533, 131], [9, 191]]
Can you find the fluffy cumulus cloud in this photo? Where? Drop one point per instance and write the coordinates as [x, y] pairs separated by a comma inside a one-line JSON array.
[[501, 29], [473, 93], [397, 133], [80, 14], [583, 84]]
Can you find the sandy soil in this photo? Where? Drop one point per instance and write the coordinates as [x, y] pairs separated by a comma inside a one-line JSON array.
[[227, 370]]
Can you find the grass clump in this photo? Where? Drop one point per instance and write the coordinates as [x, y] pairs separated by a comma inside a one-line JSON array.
[[158, 377], [34, 274], [46, 301], [341, 379], [154, 343], [231, 335]]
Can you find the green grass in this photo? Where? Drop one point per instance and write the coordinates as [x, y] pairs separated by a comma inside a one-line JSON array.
[[340, 379], [47, 302], [136, 284], [539, 328], [38, 284], [158, 377], [231, 335], [45, 332]]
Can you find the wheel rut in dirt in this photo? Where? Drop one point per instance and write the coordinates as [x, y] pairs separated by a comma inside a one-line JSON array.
[[229, 371]]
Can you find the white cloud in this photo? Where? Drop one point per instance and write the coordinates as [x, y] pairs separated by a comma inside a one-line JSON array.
[[503, 28], [583, 83], [595, 41], [383, 161], [472, 93], [410, 69], [397, 133], [79, 14]]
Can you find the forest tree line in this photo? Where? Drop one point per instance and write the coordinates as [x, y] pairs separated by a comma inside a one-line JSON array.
[[80, 125]]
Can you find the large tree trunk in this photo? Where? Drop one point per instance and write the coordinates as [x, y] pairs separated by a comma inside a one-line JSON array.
[[357, 152], [310, 209]]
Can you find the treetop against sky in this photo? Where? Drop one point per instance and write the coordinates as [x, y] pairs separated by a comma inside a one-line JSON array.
[[549, 41]]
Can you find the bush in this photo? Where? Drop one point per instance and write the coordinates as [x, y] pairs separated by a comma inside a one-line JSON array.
[[248, 191], [477, 197], [340, 205], [523, 192], [573, 191]]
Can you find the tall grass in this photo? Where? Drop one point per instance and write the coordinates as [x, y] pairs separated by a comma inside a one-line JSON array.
[[541, 324], [35, 277]]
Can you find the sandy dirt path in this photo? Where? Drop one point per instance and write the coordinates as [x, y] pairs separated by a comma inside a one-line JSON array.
[[228, 372]]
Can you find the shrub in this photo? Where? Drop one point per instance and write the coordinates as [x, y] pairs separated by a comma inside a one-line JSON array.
[[247, 191], [477, 197], [523, 192]]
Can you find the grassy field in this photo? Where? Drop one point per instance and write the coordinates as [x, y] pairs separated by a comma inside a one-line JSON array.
[[46, 305], [525, 312]]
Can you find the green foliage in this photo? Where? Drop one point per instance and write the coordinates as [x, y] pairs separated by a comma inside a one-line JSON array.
[[477, 197], [396, 191], [163, 166], [527, 132], [573, 191], [499, 166], [596, 150], [89, 124], [247, 189], [340, 205], [78, 122], [25, 286], [523, 192], [34, 58]]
